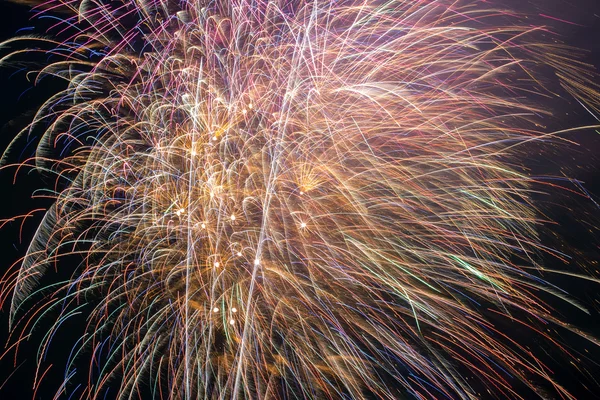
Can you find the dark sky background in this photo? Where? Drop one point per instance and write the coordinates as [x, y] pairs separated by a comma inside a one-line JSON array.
[[577, 218]]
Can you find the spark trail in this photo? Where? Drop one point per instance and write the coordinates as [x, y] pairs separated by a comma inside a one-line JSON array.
[[293, 199]]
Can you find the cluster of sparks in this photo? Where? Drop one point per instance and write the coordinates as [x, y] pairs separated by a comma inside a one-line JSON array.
[[292, 199]]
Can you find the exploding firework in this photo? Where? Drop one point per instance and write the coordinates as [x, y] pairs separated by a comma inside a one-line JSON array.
[[292, 199]]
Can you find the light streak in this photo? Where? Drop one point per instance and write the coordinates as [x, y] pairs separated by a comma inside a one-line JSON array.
[[306, 199]]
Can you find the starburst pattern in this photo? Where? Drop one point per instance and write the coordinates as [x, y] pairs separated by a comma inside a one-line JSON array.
[[308, 199]]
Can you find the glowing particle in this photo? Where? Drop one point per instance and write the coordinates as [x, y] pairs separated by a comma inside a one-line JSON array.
[[203, 226], [250, 106], [217, 264], [232, 217], [256, 261], [232, 321], [183, 16], [234, 310], [216, 309], [239, 253], [303, 225]]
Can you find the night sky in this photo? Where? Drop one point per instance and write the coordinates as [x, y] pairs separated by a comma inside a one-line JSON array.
[[576, 232]]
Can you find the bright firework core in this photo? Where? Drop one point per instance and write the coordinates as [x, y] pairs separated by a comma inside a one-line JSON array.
[[295, 199]]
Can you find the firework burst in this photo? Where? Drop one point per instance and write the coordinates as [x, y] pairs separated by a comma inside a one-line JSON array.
[[292, 199]]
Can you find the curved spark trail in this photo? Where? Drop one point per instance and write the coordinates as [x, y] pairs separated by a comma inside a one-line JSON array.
[[294, 199]]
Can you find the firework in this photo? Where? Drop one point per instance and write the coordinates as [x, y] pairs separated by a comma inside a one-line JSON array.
[[292, 199]]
